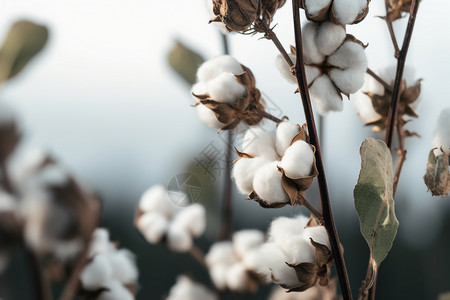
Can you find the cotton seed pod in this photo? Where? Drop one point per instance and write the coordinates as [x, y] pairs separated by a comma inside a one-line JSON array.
[[336, 11], [237, 15]]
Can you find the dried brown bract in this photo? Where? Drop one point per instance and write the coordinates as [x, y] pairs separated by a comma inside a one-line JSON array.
[[437, 176], [398, 8], [237, 15]]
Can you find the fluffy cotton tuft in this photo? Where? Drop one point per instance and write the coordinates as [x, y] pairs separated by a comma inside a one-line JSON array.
[[311, 52], [329, 37], [259, 142], [237, 278], [312, 73], [217, 65], [442, 135], [284, 68], [221, 253], [96, 274], [298, 160], [349, 55], [115, 291], [123, 263], [208, 117], [283, 228], [225, 88], [315, 6], [286, 131], [325, 96], [178, 238], [246, 240], [348, 81], [267, 184], [244, 171], [153, 226], [156, 199], [193, 218], [346, 11], [186, 289]]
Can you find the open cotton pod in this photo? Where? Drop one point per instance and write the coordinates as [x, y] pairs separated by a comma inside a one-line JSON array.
[[336, 11]]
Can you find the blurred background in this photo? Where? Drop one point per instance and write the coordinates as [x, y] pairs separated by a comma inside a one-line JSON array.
[[102, 98]]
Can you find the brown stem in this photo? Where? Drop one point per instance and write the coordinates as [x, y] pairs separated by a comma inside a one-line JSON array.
[[399, 74], [391, 28], [386, 85], [198, 255], [40, 289], [270, 35], [311, 208], [5, 176], [323, 189], [267, 115], [401, 157]]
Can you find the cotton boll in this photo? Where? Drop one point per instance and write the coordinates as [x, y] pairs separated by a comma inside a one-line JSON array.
[[123, 265], [267, 184], [324, 95], [283, 228], [442, 135], [318, 234], [186, 289], [217, 65], [346, 11], [116, 291], [311, 52], [96, 274], [364, 107], [220, 253], [246, 240], [286, 131], [259, 142], [237, 278], [298, 250], [312, 73], [348, 81], [199, 88], [193, 218], [225, 88], [244, 171], [329, 37], [156, 199], [153, 226], [179, 239], [313, 7], [100, 242], [218, 274], [349, 55], [284, 68], [208, 117], [298, 160]]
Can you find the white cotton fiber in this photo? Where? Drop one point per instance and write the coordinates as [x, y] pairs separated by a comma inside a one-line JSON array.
[[186, 289], [259, 142], [267, 184], [349, 55], [193, 218], [346, 11], [364, 107], [284, 68], [245, 241], [442, 135], [312, 73], [244, 171], [329, 37], [348, 81], [221, 253], [225, 88], [178, 238], [298, 249], [217, 65], [237, 278], [123, 264], [218, 274], [208, 117], [153, 226], [198, 89], [7, 202], [100, 242], [311, 53], [318, 234], [325, 96], [313, 7], [286, 131], [116, 291], [156, 199], [298, 160], [96, 274], [283, 228], [7, 114]]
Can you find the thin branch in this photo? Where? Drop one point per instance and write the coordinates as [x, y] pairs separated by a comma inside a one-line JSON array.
[[270, 35], [392, 117], [198, 255], [391, 28], [267, 115], [401, 157], [310, 207], [386, 85], [323, 189], [40, 289]]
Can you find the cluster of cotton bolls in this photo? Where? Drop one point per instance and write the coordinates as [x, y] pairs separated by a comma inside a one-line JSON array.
[[187, 289], [335, 64], [161, 221], [288, 242], [216, 78], [442, 135], [258, 171], [110, 269], [227, 262], [339, 11]]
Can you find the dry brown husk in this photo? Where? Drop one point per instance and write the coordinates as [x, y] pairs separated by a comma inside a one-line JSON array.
[[398, 8], [237, 15]]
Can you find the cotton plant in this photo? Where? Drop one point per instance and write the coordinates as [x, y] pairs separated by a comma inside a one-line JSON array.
[[111, 273], [187, 289], [160, 221]]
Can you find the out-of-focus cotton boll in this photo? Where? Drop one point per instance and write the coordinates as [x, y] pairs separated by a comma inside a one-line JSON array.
[[186, 289], [123, 264], [284, 68], [286, 131], [315, 6], [193, 218], [329, 37], [237, 278], [244, 171], [208, 117], [347, 11], [100, 242], [153, 226], [267, 184], [178, 238], [225, 88], [324, 95], [259, 142], [221, 253], [218, 275], [96, 274], [246, 240], [442, 135], [7, 202], [348, 81], [156, 199], [298, 160], [311, 52], [217, 65], [349, 55], [283, 228], [115, 291]]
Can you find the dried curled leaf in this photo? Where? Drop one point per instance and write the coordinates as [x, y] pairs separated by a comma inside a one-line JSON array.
[[184, 61], [237, 15], [437, 176]]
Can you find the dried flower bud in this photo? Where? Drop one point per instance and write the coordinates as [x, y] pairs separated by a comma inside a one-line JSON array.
[[237, 15]]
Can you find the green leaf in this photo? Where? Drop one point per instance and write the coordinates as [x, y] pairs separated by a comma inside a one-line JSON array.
[[184, 61], [23, 41], [437, 176], [374, 201]]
